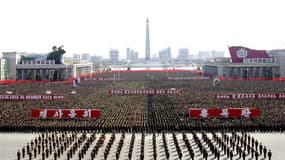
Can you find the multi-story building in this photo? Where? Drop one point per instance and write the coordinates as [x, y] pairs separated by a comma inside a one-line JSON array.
[[114, 55], [132, 56], [41, 69], [86, 57], [96, 59], [203, 55], [217, 54], [135, 57], [165, 55], [76, 56], [128, 54], [248, 63], [183, 54], [12, 58], [3, 69]]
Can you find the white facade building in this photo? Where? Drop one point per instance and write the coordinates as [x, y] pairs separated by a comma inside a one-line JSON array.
[[271, 67], [3, 69], [41, 69]]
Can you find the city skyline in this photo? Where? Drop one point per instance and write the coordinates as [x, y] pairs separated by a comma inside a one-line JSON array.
[[95, 27]]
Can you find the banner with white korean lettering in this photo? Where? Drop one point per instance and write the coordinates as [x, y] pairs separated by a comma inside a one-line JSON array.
[[224, 113], [65, 113], [11, 97], [250, 96], [145, 91], [238, 53]]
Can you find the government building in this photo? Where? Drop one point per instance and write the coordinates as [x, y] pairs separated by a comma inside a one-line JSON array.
[[14, 68], [248, 63]]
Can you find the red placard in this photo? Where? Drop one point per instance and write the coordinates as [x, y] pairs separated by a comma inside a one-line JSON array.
[[224, 113], [65, 113]]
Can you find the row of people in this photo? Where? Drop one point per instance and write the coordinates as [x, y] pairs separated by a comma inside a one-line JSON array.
[[145, 113]]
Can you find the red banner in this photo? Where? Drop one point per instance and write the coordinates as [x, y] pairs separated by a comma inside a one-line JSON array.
[[145, 91], [224, 113], [250, 96], [65, 113], [32, 97], [238, 53]]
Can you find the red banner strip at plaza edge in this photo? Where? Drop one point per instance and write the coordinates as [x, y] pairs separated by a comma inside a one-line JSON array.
[[65, 113], [32, 97], [250, 96], [224, 113], [145, 91]]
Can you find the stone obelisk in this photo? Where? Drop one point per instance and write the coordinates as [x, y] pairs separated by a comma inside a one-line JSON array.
[[147, 44]]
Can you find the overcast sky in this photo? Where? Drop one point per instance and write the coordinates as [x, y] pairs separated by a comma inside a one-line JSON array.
[[96, 26]]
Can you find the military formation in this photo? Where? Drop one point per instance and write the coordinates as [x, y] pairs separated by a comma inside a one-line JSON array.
[[194, 145], [144, 114]]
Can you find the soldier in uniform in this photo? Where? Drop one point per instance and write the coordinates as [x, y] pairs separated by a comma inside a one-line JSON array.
[[43, 155], [30, 155], [256, 155], [35, 152], [260, 148], [23, 152], [68, 155], [55, 156], [231, 155], [269, 155], [18, 155], [243, 155], [264, 151]]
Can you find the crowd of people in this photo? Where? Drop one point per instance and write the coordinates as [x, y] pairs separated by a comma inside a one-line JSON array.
[[192, 145], [130, 114], [148, 113]]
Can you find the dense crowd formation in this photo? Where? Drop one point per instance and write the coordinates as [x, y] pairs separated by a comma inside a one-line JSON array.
[[89, 146], [147, 113]]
